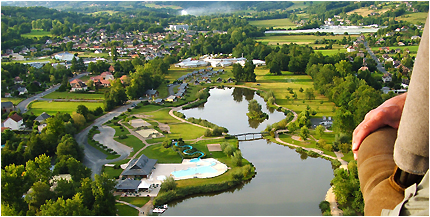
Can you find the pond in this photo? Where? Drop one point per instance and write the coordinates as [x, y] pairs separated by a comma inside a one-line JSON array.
[[287, 183]]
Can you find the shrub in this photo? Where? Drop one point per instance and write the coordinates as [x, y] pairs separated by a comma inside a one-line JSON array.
[[324, 206], [208, 133], [122, 137]]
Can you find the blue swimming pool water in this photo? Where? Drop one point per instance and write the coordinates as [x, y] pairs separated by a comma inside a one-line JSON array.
[[194, 170]]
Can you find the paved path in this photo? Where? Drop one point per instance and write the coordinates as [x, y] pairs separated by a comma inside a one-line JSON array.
[[23, 105]]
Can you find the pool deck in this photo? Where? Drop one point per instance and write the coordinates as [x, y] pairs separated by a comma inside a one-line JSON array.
[[167, 169]]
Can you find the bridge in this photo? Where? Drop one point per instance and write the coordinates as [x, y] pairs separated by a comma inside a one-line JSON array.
[[250, 134]]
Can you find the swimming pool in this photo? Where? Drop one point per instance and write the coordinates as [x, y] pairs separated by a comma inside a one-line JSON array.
[[191, 171]]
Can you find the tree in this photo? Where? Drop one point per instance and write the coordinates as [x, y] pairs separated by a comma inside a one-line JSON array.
[[102, 188], [309, 92], [254, 111], [114, 53], [344, 68], [249, 71], [304, 133], [69, 207], [39, 169], [69, 147], [238, 72], [74, 66], [320, 130], [78, 120], [15, 182], [38, 196], [83, 110], [169, 184]]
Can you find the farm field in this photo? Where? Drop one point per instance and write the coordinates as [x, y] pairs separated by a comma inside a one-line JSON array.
[[36, 33], [52, 108], [366, 11], [67, 95], [275, 23]]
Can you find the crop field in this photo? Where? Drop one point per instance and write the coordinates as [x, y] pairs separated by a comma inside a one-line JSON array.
[[413, 17], [279, 84], [366, 11], [52, 108], [298, 39], [67, 95], [275, 23], [36, 33]]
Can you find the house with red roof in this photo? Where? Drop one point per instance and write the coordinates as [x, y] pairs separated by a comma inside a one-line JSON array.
[[14, 122]]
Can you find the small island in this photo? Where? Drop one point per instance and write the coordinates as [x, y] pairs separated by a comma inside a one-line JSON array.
[[255, 112]]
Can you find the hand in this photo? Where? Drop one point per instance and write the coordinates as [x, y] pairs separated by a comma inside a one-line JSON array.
[[388, 113]]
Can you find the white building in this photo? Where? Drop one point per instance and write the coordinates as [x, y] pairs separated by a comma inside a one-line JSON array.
[[178, 27], [14, 122]]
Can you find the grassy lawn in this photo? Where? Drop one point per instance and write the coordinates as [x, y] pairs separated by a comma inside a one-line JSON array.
[[137, 201], [14, 100], [112, 172], [298, 39], [310, 143], [67, 95], [163, 155], [125, 210], [279, 84], [52, 108], [185, 131], [133, 142], [145, 108], [275, 23], [36, 33], [118, 130]]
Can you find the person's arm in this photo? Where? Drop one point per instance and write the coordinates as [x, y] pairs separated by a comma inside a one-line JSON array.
[[388, 113]]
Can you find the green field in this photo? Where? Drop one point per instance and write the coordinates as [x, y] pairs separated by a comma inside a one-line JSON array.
[[51, 108], [413, 17], [14, 100], [412, 49], [279, 83], [132, 142], [125, 210], [275, 23], [36, 33], [67, 95]]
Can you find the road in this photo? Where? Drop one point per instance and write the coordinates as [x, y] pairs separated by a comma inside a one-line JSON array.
[[22, 106], [95, 159], [379, 66]]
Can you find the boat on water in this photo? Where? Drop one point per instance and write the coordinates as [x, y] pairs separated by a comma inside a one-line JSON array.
[[160, 209]]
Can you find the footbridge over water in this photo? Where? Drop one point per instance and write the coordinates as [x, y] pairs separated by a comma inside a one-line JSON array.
[[250, 136]]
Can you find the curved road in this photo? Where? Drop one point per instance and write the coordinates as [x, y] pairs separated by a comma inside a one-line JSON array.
[[95, 159], [22, 106]]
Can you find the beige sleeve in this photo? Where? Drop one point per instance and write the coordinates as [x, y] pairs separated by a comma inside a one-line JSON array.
[[411, 150]]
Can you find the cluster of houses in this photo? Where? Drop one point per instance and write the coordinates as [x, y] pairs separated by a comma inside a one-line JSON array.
[[102, 80]]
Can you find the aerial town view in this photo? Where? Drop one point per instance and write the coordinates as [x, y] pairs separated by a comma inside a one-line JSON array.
[[212, 108]]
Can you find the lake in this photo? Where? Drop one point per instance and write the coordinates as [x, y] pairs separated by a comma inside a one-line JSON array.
[[287, 183]]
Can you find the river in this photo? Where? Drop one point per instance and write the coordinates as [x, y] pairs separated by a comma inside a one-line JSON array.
[[287, 183]]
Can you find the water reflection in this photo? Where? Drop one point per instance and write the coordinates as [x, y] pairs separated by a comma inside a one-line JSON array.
[[239, 93], [226, 108]]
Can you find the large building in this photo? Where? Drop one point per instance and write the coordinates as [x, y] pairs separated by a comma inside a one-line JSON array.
[[178, 27], [141, 167]]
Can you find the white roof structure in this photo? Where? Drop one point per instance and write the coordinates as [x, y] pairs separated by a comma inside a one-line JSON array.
[[143, 184]]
